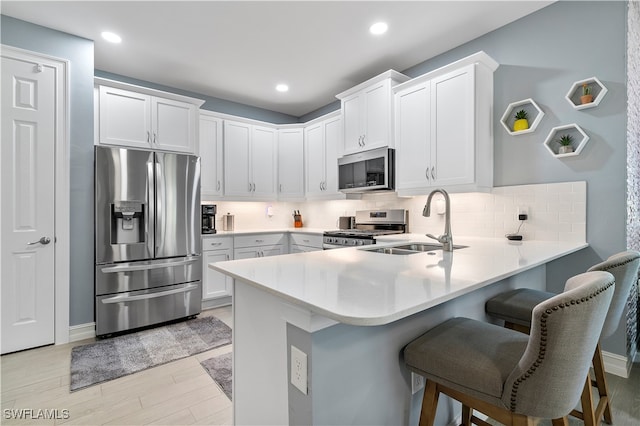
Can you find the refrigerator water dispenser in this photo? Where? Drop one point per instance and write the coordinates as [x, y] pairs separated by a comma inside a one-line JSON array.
[[127, 222]]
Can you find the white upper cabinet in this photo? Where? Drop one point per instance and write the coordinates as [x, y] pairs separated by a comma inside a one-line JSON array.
[[443, 129], [367, 113], [249, 161], [138, 117], [290, 164], [211, 159], [321, 142]]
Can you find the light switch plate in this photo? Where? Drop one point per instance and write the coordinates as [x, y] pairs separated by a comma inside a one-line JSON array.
[[299, 369]]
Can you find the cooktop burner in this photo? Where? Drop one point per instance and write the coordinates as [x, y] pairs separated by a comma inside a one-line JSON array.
[[361, 233]]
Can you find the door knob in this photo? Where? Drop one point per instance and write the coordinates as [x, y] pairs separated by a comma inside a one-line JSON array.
[[43, 241]]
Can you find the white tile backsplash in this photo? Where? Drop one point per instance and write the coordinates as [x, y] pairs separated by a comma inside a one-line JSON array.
[[556, 211]]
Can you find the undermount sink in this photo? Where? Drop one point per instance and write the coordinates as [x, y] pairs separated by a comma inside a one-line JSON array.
[[405, 249]]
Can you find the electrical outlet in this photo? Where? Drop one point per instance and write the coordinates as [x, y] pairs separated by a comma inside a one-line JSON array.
[[522, 210], [417, 383], [299, 369]]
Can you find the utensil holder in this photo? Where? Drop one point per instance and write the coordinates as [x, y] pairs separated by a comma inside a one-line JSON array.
[[297, 221]]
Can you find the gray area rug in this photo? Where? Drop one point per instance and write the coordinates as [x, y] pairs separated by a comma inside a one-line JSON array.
[[122, 355], [219, 368]]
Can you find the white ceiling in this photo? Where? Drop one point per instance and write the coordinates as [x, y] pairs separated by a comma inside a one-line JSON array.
[[240, 50]]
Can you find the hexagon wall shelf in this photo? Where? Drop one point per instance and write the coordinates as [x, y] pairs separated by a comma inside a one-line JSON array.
[[533, 112], [598, 90], [580, 139]]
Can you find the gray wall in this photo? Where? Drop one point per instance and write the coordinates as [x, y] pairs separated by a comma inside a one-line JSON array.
[[79, 52], [211, 103], [540, 56]]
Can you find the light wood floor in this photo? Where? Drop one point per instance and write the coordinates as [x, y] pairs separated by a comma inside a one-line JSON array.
[[177, 393]]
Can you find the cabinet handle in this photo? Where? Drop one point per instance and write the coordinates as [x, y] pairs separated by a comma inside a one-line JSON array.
[[364, 138], [320, 186], [249, 186], [254, 187], [433, 172], [216, 244], [218, 187], [228, 258], [148, 137], [426, 173], [154, 137], [259, 241], [280, 187]]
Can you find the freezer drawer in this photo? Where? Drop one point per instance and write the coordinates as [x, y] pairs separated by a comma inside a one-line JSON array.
[[130, 276], [126, 311]]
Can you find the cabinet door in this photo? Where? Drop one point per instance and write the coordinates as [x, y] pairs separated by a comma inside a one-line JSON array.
[[124, 118], [290, 163], [352, 112], [173, 125], [377, 116], [210, 156], [332, 143], [246, 253], [271, 251], [314, 159], [216, 284], [263, 162], [237, 139], [413, 137], [453, 124]]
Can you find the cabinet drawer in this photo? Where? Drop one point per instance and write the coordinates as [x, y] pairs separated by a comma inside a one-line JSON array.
[[258, 240], [306, 240], [217, 243]]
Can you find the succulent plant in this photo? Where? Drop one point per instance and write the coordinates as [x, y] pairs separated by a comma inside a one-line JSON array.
[[521, 115], [586, 89], [565, 140]]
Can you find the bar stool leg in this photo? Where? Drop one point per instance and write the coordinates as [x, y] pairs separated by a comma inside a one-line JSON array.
[[466, 415], [604, 405], [429, 404]]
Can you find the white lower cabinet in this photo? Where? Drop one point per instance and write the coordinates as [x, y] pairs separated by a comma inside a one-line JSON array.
[[259, 245], [302, 243], [215, 284]]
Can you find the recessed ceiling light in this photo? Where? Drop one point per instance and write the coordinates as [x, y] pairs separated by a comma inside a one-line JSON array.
[[282, 88], [379, 28], [111, 37]]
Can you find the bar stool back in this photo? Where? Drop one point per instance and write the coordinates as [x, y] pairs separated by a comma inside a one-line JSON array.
[[515, 307]]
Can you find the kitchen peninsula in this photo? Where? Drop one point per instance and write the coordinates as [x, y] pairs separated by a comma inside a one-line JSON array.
[[351, 311]]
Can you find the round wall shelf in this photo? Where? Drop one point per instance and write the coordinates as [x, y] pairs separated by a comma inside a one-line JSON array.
[[534, 114], [598, 90], [578, 136]]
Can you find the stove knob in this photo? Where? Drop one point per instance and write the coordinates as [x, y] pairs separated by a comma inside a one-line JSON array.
[[360, 243]]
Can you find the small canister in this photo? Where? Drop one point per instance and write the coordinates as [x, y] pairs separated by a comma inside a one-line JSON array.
[[227, 222]]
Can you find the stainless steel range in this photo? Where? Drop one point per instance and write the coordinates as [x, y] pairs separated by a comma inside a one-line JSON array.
[[369, 224]]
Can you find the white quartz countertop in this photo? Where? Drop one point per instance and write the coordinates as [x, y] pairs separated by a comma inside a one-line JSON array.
[[360, 287]]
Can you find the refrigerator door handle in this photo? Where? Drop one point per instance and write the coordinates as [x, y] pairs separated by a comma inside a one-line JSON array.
[[160, 202], [131, 268], [126, 298]]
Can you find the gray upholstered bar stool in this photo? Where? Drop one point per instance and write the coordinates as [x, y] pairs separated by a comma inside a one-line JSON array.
[[515, 307], [508, 375]]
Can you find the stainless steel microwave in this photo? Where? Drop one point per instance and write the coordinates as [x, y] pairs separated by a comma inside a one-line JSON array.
[[367, 171]]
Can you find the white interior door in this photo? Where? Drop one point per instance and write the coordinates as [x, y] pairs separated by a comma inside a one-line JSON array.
[[27, 213]]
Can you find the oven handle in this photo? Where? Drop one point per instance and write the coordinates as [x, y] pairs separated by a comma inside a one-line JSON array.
[[124, 298], [326, 246], [131, 268]]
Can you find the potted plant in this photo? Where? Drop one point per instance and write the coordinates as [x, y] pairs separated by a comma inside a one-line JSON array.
[[521, 122], [565, 144], [586, 97]]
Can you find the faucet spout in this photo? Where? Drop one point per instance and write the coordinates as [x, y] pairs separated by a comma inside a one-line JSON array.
[[445, 239]]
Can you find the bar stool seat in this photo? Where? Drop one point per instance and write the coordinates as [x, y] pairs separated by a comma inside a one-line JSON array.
[[515, 308]]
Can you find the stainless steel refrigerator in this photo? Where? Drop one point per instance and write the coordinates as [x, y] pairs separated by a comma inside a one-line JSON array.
[[148, 267]]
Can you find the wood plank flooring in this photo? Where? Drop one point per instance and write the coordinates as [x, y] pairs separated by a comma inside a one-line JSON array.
[[177, 393]]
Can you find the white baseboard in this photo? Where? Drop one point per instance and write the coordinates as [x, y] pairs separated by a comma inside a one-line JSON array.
[[216, 303], [82, 332], [616, 364]]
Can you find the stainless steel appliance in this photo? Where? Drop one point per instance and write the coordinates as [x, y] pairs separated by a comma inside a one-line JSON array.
[[368, 225], [346, 222], [209, 219], [367, 171], [148, 267]]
